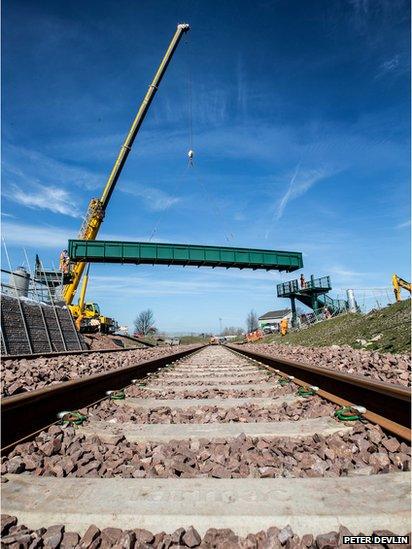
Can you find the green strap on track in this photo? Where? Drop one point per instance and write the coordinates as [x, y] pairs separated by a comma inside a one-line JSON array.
[[73, 418], [283, 381], [347, 413], [117, 395], [306, 392]]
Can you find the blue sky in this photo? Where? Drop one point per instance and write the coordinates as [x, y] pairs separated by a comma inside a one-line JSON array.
[[300, 116]]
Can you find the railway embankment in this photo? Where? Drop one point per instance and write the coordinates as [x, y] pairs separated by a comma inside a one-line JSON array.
[[392, 368], [385, 330]]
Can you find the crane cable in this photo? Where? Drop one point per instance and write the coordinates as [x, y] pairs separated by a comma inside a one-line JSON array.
[[190, 165], [216, 208], [189, 93], [219, 214], [184, 173], [180, 178]]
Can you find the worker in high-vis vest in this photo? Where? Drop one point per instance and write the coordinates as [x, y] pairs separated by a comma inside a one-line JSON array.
[[64, 262], [284, 326]]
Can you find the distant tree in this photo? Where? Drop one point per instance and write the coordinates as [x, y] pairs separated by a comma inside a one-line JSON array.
[[231, 330], [252, 321], [144, 322]]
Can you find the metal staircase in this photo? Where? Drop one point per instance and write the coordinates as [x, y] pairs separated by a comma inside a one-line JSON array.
[[313, 294]]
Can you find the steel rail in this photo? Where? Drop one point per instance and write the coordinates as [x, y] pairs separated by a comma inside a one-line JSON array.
[[23, 415], [387, 404]]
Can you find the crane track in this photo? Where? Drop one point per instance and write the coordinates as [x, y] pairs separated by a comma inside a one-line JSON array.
[[212, 441]]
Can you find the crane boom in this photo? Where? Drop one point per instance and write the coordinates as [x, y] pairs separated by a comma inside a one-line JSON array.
[[97, 207]]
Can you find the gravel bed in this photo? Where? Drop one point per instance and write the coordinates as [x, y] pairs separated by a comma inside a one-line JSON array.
[[135, 391], [383, 367], [206, 382], [64, 452], [18, 535], [312, 407], [19, 376]]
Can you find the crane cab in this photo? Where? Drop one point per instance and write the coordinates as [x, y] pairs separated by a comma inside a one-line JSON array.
[[92, 309]]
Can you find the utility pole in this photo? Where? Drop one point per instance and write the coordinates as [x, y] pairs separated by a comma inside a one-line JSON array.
[[220, 326]]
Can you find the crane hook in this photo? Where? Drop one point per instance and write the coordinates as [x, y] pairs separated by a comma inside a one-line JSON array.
[[190, 156]]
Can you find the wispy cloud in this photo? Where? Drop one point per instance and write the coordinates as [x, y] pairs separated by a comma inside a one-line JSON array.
[[395, 65], [346, 273], [23, 165], [391, 64], [33, 236], [154, 199], [43, 197], [132, 285], [51, 236], [404, 225], [365, 10], [300, 183]]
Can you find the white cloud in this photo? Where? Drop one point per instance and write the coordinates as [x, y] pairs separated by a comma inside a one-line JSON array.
[[154, 199], [396, 65], [24, 166], [404, 225], [50, 236], [32, 236], [300, 182], [143, 285], [346, 273], [43, 197], [391, 64]]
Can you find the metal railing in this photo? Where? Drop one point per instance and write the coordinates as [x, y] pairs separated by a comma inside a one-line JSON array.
[[322, 283], [295, 286], [337, 305], [286, 288], [308, 319]]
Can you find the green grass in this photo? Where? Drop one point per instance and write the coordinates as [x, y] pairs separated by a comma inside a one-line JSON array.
[[392, 324], [188, 340]]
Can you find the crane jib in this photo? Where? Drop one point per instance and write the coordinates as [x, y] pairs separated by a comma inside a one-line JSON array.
[[144, 107], [96, 211]]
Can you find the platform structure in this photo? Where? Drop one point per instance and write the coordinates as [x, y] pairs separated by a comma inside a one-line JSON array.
[[151, 253], [313, 294]]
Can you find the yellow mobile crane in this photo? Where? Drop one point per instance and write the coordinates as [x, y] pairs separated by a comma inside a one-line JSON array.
[[87, 315], [398, 283], [97, 206]]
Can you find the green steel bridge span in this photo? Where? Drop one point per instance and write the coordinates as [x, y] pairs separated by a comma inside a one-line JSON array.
[[152, 253]]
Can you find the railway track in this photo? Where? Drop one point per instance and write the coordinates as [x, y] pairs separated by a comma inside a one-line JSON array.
[[387, 404], [210, 449]]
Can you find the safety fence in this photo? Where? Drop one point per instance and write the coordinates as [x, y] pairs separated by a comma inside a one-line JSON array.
[[30, 325]]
